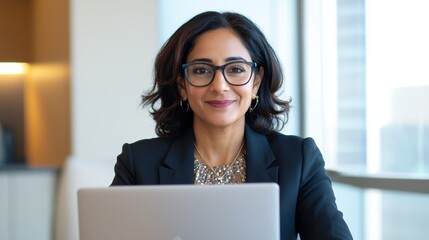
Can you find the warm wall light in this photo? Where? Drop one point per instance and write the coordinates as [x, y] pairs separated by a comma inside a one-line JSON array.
[[13, 68]]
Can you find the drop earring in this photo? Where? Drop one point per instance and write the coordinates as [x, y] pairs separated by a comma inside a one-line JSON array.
[[255, 105], [182, 102]]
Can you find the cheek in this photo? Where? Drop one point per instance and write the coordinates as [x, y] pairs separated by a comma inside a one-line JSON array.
[[194, 94], [245, 96], [248, 92]]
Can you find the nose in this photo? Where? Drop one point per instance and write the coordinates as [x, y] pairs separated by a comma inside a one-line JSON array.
[[219, 83]]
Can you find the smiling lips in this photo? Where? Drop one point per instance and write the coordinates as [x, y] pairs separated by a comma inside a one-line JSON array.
[[220, 103]]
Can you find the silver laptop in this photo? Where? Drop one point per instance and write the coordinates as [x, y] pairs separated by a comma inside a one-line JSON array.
[[180, 212]]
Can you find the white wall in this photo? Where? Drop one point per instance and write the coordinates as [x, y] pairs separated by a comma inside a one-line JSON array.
[[113, 44]]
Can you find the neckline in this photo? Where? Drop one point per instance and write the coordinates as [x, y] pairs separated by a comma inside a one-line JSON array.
[[237, 156]]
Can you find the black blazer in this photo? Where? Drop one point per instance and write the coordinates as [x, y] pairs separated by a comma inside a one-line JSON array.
[[307, 201]]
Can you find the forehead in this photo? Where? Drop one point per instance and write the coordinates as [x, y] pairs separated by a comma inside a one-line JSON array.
[[218, 45]]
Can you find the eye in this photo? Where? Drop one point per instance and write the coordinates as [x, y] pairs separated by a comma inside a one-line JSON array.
[[237, 68], [200, 69]]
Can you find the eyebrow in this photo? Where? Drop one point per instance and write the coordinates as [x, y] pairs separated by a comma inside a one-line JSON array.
[[229, 59]]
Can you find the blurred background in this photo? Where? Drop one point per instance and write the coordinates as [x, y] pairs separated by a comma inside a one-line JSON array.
[[72, 73]]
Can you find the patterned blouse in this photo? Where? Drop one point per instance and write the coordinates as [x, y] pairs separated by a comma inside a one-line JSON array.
[[225, 174]]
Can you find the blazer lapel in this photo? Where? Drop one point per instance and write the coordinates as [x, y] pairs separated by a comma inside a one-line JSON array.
[[178, 167], [261, 162]]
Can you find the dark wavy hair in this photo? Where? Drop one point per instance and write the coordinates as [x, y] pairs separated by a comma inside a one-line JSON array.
[[164, 98]]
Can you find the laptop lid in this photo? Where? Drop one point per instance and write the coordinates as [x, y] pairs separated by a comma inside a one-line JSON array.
[[180, 212]]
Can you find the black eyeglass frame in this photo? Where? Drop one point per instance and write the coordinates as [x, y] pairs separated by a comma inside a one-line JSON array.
[[252, 65]]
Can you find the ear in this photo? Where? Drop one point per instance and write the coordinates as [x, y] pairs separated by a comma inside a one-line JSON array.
[[257, 81], [182, 88]]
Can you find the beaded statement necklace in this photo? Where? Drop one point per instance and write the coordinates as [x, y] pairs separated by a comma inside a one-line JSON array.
[[217, 175]]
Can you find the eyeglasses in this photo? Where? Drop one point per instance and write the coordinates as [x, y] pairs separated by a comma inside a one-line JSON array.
[[235, 73]]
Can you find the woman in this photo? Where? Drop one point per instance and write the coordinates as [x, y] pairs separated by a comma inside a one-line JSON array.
[[217, 117]]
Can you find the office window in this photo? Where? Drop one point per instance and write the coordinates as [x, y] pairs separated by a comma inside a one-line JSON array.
[[366, 87], [351, 82], [398, 86], [367, 83]]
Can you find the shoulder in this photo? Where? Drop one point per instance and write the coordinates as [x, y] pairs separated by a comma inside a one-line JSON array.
[[282, 145], [303, 152], [300, 152], [149, 146], [159, 146], [152, 142], [139, 161], [289, 142], [274, 137]]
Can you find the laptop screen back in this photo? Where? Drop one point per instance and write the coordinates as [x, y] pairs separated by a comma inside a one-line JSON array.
[[180, 212]]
